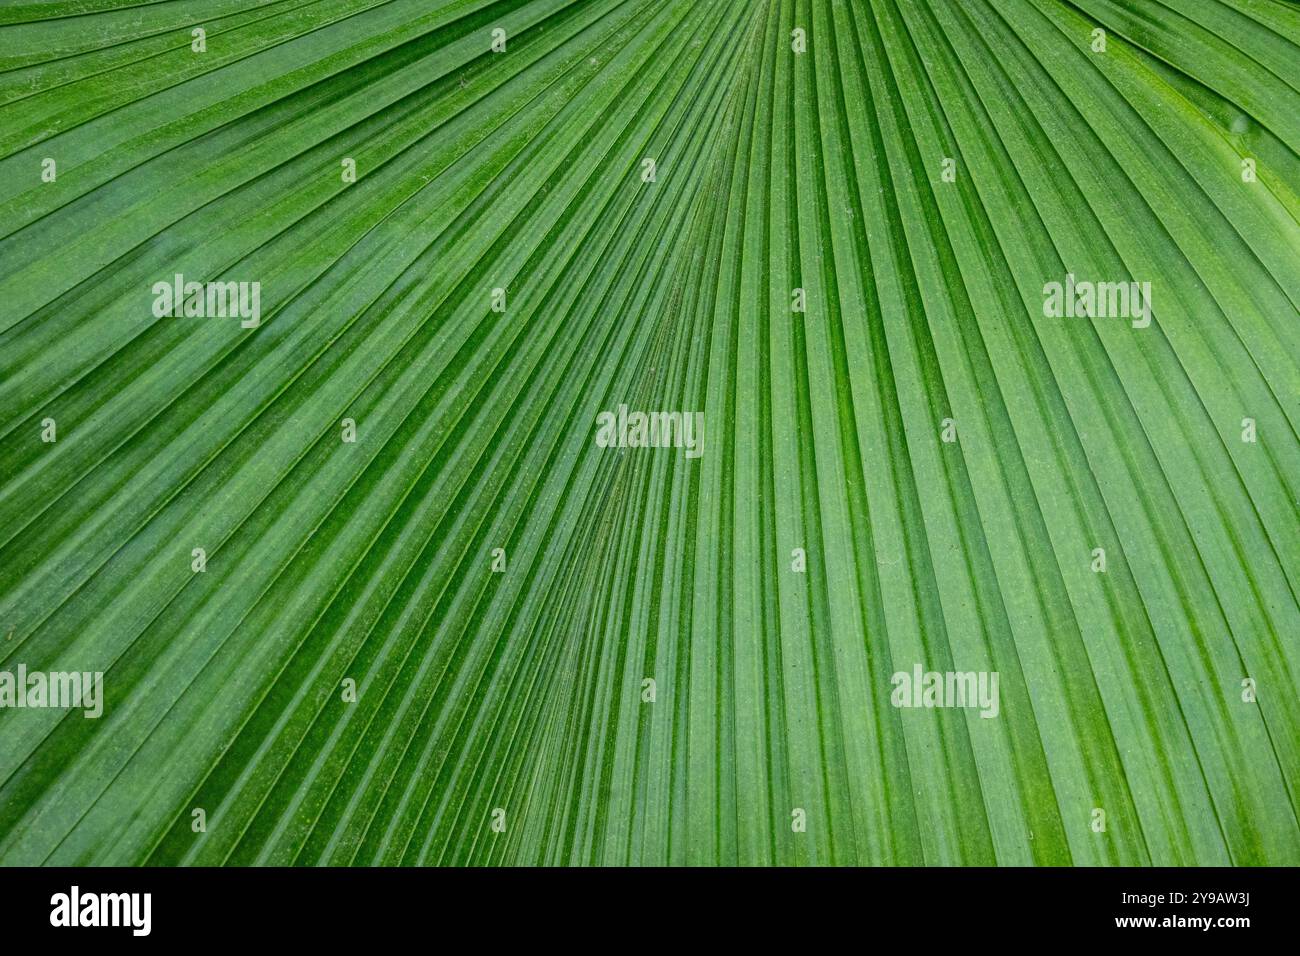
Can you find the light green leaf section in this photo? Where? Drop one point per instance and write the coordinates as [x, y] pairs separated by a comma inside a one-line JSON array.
[[840, 260]]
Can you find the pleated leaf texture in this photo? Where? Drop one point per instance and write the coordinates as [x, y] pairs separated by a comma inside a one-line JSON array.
[[650, 432]]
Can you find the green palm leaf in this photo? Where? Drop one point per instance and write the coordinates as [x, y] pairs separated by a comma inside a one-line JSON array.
[[474, 634]]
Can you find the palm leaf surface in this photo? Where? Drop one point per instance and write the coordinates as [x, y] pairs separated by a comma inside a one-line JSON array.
[[522, 691]]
